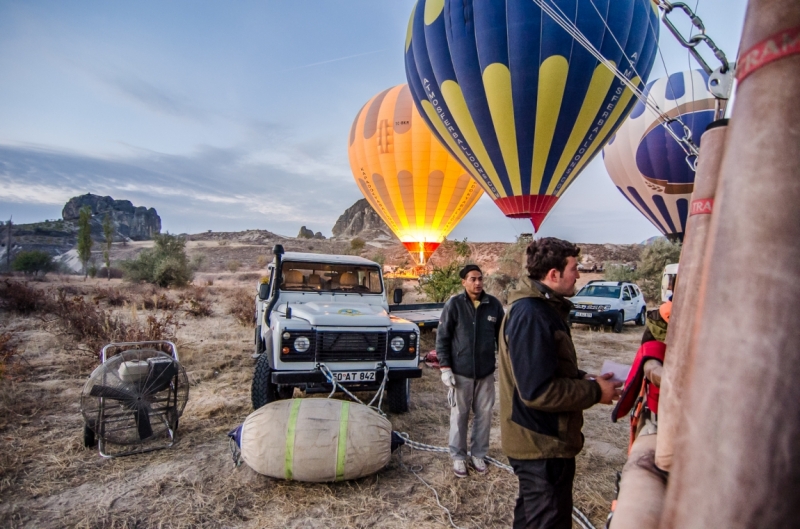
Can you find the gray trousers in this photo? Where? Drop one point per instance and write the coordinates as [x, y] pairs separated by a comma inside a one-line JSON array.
[[478, 396]]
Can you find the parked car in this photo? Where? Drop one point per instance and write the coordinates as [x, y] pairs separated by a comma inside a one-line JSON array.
[[609, 303]]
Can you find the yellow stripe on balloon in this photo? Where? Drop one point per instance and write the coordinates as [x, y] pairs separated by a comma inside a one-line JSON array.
[[433, 8], [595, 95], [454, 97], [448, 138], [613, 119], [497, 81], [410, 26], [552, 82]]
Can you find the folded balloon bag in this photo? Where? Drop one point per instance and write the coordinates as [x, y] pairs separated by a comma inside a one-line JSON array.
[[315, 440]]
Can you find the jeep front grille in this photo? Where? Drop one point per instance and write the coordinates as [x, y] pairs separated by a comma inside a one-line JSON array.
[[352, 346]]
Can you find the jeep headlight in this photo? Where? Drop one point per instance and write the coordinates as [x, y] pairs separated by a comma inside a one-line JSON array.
[[604, 308], [397, 344], [301, 344]]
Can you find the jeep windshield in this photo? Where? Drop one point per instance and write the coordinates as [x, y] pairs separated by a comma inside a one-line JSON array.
[[600, 291], [326, 277]]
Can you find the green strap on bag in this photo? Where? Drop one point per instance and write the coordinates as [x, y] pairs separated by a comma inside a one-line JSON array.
[[290, 433], [341, 449]]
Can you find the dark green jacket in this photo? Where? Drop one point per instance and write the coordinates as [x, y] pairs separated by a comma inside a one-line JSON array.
[[542, 391], [466, 339]]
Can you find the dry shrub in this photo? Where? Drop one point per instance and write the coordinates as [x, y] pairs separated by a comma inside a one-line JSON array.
[[199, 308], [262, 261], [223, 243], [22, 298], [249, 277], [233, 265], [196, 301], [93, 327], [7, 350], [113, 296], [209, 282], [156, 301], [242, 307]]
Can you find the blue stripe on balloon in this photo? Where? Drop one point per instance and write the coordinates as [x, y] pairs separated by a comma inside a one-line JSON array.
[[683, 211], [658, 200], [660, 157], [640, 106], [466, 52], [524, 28], [642, 206], [676, 87]]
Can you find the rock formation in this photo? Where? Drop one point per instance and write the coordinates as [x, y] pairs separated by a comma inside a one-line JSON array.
[[360, 220], [137, 223], [305, 233]]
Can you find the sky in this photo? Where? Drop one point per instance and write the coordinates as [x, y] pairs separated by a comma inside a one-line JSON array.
[[228, 116]]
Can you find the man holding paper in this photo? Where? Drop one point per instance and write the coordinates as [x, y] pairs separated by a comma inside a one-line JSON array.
[[542, 391]]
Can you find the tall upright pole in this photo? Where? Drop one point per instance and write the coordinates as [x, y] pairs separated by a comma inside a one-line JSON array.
[[8, 244], [685, 300], [737, 462]]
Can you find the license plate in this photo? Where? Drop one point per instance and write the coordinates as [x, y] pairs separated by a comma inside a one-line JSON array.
[[354, 376], [583, 314]]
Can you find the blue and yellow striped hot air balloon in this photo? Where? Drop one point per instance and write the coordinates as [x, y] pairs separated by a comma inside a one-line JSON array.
[[647, 164], [516, 99]]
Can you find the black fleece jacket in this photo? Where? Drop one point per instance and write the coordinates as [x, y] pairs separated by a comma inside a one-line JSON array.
[[466, 340]]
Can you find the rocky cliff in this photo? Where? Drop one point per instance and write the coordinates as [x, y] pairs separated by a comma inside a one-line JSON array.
[[360, 220], [137, 223]]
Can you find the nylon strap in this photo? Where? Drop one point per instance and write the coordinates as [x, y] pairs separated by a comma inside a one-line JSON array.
[[771, 49], [341, 449], [290, 432]]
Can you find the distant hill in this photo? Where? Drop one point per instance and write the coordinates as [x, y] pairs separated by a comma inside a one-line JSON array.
[[361, 220], [59, 237]]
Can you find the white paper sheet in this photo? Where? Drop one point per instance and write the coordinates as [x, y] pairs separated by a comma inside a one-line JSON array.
[[620, 371]]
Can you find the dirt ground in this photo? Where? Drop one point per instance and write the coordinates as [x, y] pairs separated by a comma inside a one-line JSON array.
[[49, 480]]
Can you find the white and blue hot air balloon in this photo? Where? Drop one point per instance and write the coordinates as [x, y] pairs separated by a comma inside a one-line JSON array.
[[647, 164]]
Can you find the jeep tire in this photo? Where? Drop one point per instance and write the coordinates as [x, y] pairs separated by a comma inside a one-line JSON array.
[[263, 391], [641, 319], [259, 342], [398, 395], [618, 322]]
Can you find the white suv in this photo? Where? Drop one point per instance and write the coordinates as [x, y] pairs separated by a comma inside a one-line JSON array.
[[609, 303]]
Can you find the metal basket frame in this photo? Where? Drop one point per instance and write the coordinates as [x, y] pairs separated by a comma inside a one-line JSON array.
[[102, 445]]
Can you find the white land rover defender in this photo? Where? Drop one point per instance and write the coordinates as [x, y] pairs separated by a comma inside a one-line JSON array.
[[327, 315]]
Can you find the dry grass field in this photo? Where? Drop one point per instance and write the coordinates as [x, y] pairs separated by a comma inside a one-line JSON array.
[[49, 480]]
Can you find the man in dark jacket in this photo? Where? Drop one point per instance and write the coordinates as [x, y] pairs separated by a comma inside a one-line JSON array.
[[542, 391], [466, 341]]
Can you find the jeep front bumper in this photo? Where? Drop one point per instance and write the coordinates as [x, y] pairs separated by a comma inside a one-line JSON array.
[[318, 377]]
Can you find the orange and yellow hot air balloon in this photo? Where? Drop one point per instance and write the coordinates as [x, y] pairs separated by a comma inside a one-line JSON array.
[[406, 175]]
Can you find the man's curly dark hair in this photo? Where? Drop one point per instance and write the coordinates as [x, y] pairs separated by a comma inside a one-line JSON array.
[[545, 254]]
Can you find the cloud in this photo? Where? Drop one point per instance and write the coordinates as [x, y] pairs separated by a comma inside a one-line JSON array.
[[233, 187], [154, 98]]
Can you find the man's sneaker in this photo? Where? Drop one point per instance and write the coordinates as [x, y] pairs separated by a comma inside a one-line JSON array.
[[460, 468], [479, 465]]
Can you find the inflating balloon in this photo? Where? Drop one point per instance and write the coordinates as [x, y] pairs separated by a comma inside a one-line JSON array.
[[645, 161], [408, 177], [516, 99]]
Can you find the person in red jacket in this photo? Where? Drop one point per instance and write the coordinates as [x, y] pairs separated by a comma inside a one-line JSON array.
[[642, 388]]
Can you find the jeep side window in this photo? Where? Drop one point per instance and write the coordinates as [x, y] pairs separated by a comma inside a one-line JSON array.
[[626, 294]]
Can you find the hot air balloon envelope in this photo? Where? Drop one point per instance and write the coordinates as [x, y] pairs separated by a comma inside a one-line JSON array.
[[515, 98], [645, 161], [408, 177]]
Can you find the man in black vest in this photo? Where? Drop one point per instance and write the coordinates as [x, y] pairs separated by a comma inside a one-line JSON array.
[[466, 342]]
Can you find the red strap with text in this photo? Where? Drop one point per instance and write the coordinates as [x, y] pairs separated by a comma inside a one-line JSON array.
[[771, 49], [701, 206]]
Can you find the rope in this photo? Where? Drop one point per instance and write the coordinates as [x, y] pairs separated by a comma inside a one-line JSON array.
[[577, 515], [416, 468], [562, 20], [379, 395]]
